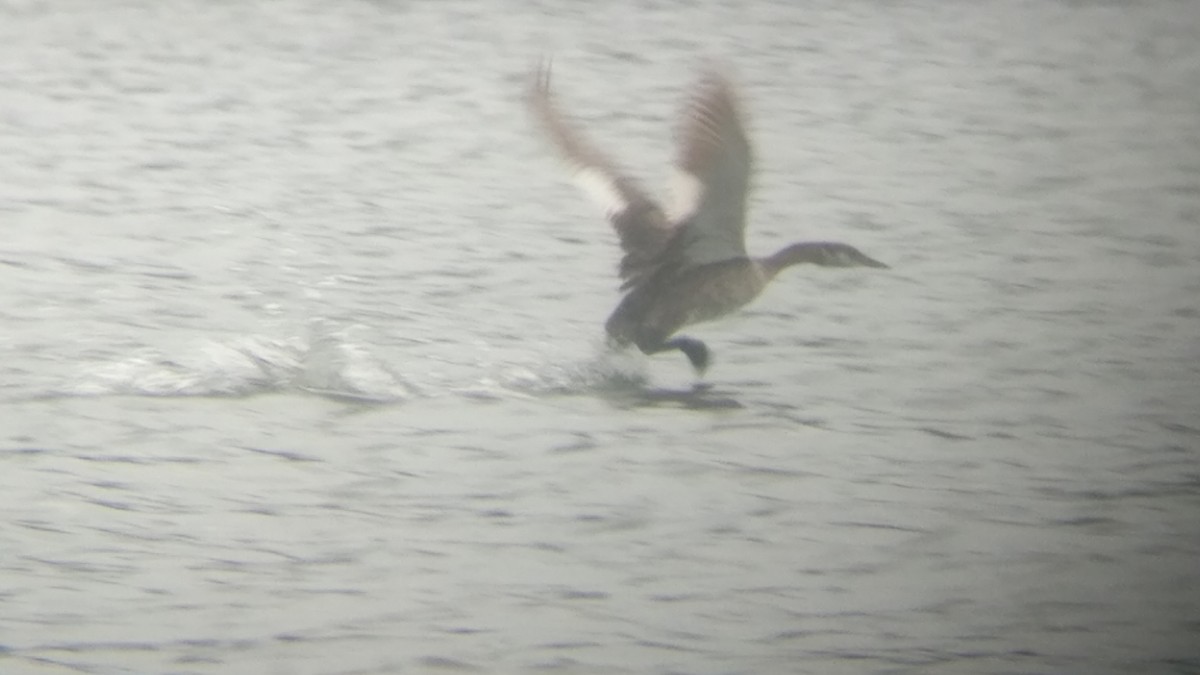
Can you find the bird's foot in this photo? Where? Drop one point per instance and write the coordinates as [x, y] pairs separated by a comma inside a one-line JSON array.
[[695, 350]]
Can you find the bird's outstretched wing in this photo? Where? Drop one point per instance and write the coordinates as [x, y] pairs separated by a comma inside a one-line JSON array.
[[639, 221], [712, 176]]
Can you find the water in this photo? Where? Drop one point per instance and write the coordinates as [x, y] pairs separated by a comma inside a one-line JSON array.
[[301, 362]]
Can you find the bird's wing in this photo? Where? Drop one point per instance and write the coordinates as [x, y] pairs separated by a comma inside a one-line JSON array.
[[712, 176], [640, 223]]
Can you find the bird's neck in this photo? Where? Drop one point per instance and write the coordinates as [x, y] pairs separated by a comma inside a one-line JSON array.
[[804, 252]]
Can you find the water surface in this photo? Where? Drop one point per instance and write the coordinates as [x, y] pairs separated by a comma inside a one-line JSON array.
[[301, 361]]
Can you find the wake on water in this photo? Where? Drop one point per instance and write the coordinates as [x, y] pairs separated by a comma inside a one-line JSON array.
[[621, 378], [331, 362]]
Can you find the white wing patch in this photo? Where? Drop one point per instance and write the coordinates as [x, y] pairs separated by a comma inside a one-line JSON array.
[[602, 188], [686, 192]]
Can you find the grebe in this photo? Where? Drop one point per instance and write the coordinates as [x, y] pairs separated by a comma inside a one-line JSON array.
[[691, 265]]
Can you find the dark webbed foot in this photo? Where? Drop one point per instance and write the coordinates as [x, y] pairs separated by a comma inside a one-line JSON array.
[[695, 350]]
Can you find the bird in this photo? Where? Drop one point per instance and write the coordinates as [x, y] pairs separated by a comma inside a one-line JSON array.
[[688, 264]]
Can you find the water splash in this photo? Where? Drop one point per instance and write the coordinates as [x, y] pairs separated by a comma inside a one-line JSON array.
[[329, 362], [606, 371], [338, 365]]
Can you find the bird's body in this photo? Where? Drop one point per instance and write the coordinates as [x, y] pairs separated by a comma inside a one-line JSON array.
[[691, 266], [651, 312]]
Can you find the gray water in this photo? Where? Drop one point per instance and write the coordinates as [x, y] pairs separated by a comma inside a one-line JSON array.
[[302, 369]]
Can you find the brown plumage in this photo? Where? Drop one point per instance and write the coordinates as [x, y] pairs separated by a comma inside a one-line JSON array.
[[689, 266]]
